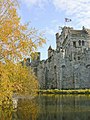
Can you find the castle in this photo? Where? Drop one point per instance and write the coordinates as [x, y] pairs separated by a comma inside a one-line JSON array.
[[67, 67]]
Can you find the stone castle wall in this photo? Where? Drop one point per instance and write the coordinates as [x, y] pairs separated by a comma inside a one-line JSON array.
[[67, 67]]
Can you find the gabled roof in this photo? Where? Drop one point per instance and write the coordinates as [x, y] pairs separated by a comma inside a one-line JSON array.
[[50, 48]]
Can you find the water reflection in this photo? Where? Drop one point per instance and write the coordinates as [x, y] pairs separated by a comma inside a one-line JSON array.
[[50, 107], [62, 107], [28, 109]]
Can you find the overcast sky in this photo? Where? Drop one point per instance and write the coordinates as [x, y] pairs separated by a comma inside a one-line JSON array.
[[48, 15]]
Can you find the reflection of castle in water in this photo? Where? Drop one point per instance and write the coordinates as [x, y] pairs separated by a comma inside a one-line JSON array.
[[69, 65], [64, 107]]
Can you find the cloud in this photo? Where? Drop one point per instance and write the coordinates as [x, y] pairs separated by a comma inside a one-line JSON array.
[[53, 27], [78, 10], [38, 3], [50, 31]]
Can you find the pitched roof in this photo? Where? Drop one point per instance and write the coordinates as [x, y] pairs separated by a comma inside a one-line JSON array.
[[50, 48]]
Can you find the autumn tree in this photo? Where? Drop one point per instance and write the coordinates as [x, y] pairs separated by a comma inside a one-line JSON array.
[[16, 42]]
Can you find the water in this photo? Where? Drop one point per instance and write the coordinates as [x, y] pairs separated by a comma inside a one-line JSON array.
[[52, 107]]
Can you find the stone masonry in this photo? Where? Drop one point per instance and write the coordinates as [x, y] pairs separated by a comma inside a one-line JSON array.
[[67, 67]]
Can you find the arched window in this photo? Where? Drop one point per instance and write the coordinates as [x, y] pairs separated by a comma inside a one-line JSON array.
[[83, 43], [74, 43], [79, 42], [63, 66]]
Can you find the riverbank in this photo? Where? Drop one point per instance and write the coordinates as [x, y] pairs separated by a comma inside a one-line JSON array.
[[57, 91]]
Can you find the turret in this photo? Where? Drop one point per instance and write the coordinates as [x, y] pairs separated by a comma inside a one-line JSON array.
[[57, 40], [50, 51], [35, 61]]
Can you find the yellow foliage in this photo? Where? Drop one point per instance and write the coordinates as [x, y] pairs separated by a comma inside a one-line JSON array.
[[16, 41], [15, 78]]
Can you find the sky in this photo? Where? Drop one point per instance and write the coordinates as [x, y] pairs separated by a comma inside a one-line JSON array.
[[49, 16]]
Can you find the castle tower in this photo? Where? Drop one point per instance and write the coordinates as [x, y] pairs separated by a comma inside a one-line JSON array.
[[57, 40], [67, 67], [35, 62], [50, 51]]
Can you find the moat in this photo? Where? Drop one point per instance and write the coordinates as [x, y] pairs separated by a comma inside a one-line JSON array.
[[52, 107]]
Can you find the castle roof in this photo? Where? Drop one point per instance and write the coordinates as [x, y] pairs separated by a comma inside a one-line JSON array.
[[50, 48], [76, 31], [80, 32]]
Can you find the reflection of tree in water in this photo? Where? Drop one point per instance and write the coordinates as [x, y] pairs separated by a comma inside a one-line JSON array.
[[27, 109]]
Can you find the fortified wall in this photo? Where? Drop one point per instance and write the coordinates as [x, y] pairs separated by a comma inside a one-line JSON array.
[[68, 66]]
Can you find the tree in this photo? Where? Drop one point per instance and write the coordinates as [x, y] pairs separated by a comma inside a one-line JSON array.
[[15, 78], [16, 42]]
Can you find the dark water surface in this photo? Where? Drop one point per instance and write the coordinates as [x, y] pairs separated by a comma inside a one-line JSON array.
[[53, 107]]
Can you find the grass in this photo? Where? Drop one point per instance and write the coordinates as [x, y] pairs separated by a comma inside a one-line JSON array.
[[57, 91]]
